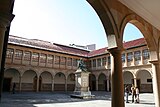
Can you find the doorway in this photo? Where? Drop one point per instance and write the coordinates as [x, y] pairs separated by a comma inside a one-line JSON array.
[[7, 84]]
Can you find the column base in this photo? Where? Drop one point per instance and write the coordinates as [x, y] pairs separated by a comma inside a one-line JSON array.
[[82, 95]]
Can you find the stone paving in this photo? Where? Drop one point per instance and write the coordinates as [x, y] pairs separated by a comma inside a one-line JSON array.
[[61, 99]]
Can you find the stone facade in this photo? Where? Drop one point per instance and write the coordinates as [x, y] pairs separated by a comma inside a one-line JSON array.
[[37, 69]]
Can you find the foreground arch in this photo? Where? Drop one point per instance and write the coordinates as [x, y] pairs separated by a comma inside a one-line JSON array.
[[114, 16]]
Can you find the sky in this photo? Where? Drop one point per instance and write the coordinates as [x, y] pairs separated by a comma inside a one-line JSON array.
[[62, 21]]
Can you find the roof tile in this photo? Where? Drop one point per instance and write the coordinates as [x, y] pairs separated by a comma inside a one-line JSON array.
[[67, 49]]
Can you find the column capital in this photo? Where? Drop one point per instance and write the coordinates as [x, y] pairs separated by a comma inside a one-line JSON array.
[[155, 62], [5, 19], [115, 50]]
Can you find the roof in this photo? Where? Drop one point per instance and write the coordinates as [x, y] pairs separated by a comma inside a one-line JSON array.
[[134, 43], [126, 45], [40, 44], [98, 52]]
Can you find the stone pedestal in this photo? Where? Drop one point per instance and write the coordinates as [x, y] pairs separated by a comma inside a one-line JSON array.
[[82, 85]]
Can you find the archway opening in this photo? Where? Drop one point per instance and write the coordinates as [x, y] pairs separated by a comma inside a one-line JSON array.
[[128, 78], [11, 76], [29, 82], [144, 80], [59, 82], [136, 49], [92, 82], [102, 83], [46, 82], [71, 82]]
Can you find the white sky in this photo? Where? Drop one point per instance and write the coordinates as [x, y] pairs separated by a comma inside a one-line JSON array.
[[62, 21]]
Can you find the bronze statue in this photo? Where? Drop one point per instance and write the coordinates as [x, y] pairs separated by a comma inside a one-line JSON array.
[[81, 65]]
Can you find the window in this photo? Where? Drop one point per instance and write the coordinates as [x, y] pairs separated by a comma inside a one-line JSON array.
[[99, 62], [123, 57], [75, 62], [149, 80], [137, 55], [88, 65], [27, 56], [9, 53], [50, 59], [103, 61], [129, 56], [69, 61], [146, 54], [57, 60], [35, 57], [109, 60], [63, 60], [18, 54], [94, 62], [43, 58]]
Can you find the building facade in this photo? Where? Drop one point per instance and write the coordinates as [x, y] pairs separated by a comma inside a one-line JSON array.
[[36, 65]]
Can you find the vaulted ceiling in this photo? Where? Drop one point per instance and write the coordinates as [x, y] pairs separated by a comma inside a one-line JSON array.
[[147, 9]]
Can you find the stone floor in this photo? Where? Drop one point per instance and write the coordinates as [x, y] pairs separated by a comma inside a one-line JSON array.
[[61, 99]]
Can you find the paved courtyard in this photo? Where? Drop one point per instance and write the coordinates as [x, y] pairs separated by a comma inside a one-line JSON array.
[[62, 99]]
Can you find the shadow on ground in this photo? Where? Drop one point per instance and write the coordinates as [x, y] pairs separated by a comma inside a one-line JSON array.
[[28, 99]]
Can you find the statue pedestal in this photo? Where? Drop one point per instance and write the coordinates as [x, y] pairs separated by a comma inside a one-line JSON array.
[[82, 85]]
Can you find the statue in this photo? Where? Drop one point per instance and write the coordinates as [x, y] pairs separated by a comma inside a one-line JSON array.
[[82, 82], [81, 65]]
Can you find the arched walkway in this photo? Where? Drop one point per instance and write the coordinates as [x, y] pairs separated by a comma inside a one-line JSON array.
[[92, 82], [128, 78], [29, 81], [144, 81], [102, 85], [46, 82], [59, 82], [11, 76], [71, 82]]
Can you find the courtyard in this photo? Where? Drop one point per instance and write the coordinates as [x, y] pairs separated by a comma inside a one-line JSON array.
[[61, 99]]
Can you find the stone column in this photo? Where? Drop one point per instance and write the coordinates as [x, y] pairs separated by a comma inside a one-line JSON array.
[[37, 84], [4, 22], [156, 82], [116, 78], [20, 83], [96, 84], [66, 84], [5, 19], [135, 82], [53, 84], [107, 84]]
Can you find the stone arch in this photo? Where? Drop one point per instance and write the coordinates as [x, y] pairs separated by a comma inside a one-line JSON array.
[[46, 82], [71, 82], [128, 78], [145, 28], [108, 21], [92, 82], [59, 81], [11, 75], [144, 80], [29, 82], [102, 85]]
